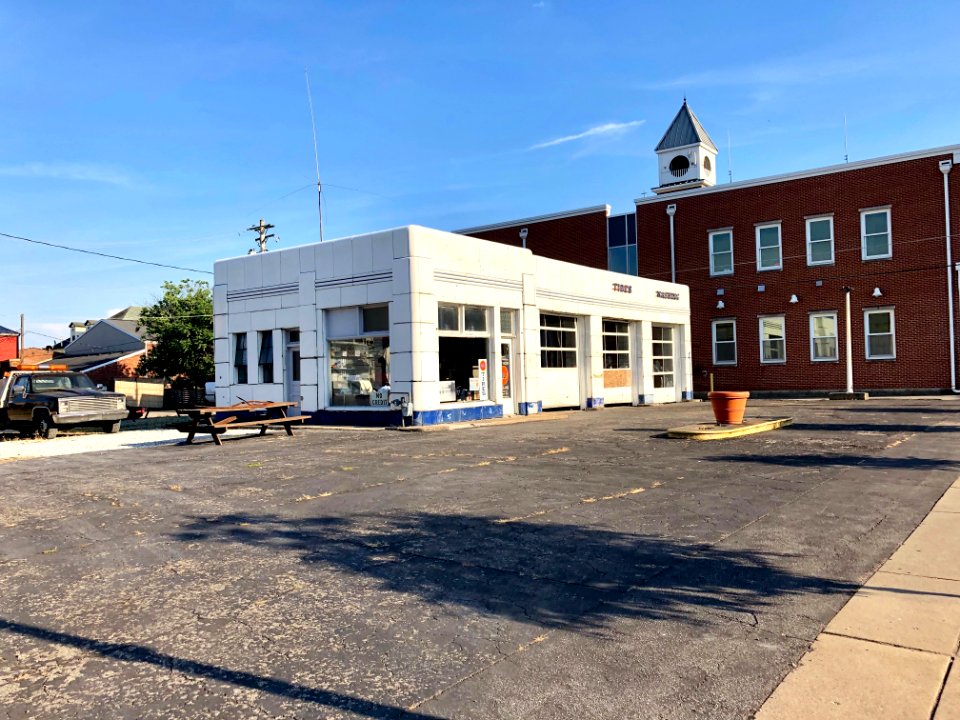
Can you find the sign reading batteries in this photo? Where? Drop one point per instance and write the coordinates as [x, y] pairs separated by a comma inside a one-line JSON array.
[[482, 365]]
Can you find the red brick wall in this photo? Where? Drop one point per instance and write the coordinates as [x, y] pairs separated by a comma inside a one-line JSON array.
[[909, 281], [8, 347], [126, 368], [578, 239]]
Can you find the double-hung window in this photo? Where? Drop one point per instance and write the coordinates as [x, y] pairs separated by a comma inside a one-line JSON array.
[[880, 330], [721, 252], [823, 336], [266, 356], [875, 234], [820, 241], [773, 339], [725, 342], [769, 250], [240, 357]]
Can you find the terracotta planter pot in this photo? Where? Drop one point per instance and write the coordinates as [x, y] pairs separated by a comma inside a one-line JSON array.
[[729, 406]]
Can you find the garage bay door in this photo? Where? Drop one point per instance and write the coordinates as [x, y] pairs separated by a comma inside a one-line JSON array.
[[559, 374]]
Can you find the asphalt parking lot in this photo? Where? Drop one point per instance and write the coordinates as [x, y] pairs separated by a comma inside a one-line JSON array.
[[580, 567]]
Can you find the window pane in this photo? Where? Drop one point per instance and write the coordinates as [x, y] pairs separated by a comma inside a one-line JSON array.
[[617, 260], [614, 326], [770, 257], [447, 318], [724, 332], [723, 263], [631, 260], [266, 348], [879, 322], [631, 229], [661, 332], [773, 350], [474, 319], [358, 367], [376, 319], [878, 245], [881, 345], [617, 231], [824, 348], [819, 230], [772, 328], [506, 322], [726, 352], [721, 242], [569, 359], [663, 381], [875, 222], [567, 322], [769, 237], [821, 251], [824, 325], [662, 365]]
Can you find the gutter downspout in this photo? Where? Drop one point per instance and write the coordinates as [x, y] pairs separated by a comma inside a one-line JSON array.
[[671, 211], [945, 167], [849, 340]]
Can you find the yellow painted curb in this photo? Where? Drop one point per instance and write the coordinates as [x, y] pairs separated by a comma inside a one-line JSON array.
[[711, 431]]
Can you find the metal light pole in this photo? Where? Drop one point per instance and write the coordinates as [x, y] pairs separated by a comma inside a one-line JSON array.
[[849, 339]]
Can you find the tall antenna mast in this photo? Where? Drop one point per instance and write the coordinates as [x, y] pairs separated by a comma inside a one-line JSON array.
[[846, 157], [316, 154], [729, 159]]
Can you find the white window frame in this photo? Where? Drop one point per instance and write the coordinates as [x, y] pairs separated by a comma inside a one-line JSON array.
[[866, 333], [810, 260], [764, 226], [711, 235], [783, 319], [836, 336], [713, 344], [863, 233]]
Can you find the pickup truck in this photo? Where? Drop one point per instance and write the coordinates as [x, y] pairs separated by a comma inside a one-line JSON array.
[[43, 401]]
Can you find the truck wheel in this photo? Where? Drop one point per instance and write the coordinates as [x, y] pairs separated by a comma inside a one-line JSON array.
[[111, 427], [45, 427]]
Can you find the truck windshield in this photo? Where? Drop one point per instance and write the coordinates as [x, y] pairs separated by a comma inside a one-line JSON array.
[[66, 381]]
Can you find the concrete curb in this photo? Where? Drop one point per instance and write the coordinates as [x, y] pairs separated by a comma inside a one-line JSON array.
[[710, 431]]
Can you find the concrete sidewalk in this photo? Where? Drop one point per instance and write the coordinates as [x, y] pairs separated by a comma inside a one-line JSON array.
[[891, 651]]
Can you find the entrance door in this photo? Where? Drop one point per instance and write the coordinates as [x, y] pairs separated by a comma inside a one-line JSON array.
[[559, 374], [664, 364], [506, 376], [292, 371]]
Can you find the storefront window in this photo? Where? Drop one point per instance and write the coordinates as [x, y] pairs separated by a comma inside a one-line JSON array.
[[358, 368]]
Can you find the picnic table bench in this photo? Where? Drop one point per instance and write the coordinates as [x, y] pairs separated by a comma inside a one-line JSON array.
[[266, 414]]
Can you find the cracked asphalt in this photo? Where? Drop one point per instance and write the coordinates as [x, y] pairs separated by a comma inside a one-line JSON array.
[[581, 567]]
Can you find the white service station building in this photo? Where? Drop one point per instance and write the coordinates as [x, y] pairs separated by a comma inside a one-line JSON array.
[[443, 328]]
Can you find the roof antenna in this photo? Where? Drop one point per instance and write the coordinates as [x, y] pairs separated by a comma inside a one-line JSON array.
[[846, 157], [729, 159], [316, 154]]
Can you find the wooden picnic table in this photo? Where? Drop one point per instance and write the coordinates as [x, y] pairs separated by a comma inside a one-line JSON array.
[[267, 413]]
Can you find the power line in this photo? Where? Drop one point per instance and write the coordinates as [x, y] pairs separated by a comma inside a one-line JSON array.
[[106, 255]]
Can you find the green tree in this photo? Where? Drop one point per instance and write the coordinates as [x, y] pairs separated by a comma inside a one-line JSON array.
[[181, 324]]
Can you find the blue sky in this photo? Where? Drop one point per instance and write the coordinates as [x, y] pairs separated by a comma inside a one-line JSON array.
[[160, 131]]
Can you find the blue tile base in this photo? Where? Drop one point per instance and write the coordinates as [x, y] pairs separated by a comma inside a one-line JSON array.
[[646, 399], [594, 403], [687, 395], [457, 414], [531, 408], [358, 418]]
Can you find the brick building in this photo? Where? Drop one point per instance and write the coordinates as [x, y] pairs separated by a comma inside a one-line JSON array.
[[768, 260], [9, 343]]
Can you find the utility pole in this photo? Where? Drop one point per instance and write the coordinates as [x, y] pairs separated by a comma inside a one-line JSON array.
[[262, 235], [20, 339]]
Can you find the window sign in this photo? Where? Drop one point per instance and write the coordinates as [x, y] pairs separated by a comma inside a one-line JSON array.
[[482, 386]]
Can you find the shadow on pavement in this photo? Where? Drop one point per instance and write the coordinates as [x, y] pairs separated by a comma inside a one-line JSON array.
[[550, 574], [862, 461], [870, 427], [129, 652]]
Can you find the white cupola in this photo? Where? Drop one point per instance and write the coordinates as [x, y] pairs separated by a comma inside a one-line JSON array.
[[686, 155]]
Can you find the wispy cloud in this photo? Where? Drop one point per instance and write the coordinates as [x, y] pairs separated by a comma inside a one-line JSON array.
[[596, 131], [82, 172], [789, 72]]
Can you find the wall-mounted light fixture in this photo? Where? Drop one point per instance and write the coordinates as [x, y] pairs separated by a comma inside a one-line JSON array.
[[523, 237], [794, 299], [877, 293], [720, 305]]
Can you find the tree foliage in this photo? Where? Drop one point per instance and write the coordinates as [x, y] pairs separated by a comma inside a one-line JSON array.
[[181, 324]]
